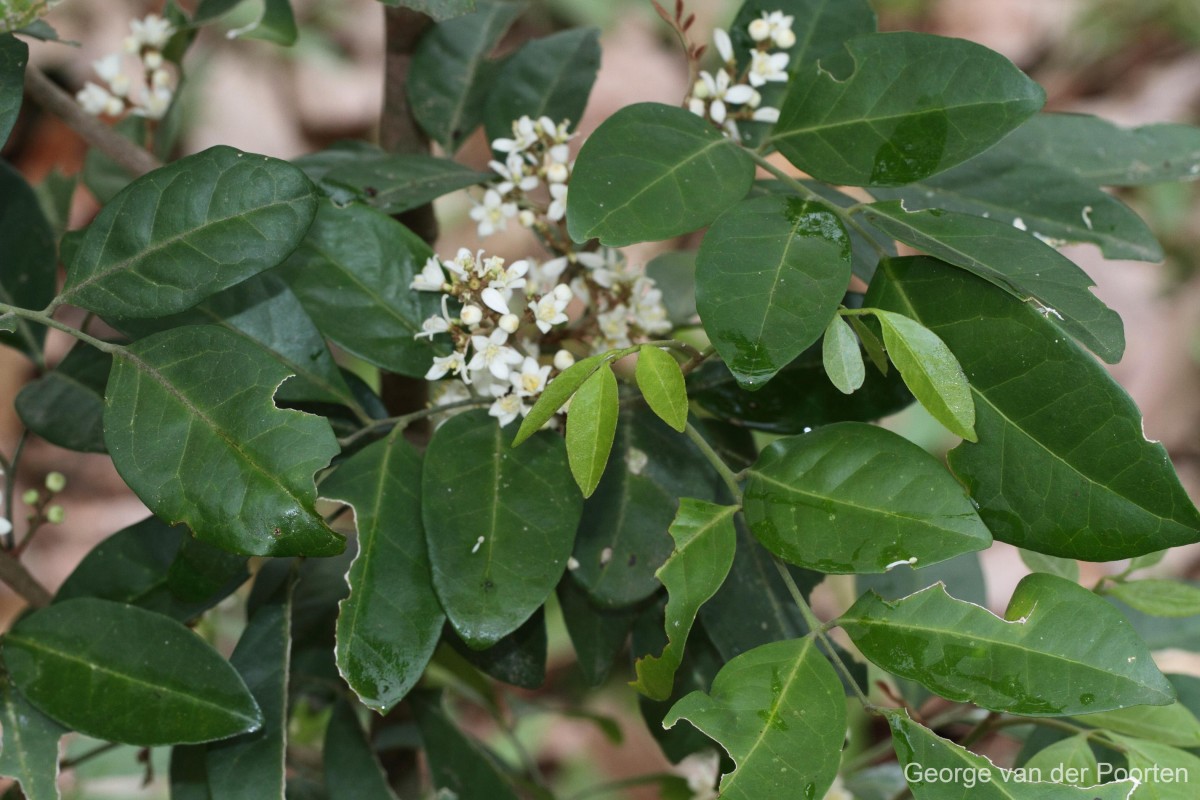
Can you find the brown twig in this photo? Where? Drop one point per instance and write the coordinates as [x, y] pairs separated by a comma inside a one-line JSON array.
[[13, 573]]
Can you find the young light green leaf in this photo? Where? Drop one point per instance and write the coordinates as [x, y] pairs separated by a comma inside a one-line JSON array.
[[780, 713], [840, 499], [276, 22], [591, 426], [458, 764], [30, 258], [451, 74], [124, 674], [1040, 562], [1037, 660], [397, 182], [1157, 597], [499, 524], [1174, 724], [704, 546], [29, 749], [1166, 770], [841, 357], [66, 405], [240, 475], [188, 230], [914, 105], [652, 171], [1143, 562], [1016, 262], [930, 371], [661, 381], [558, 391], [351, 766], [14, 55], [380, 652], [1068, 761], [769, 276], [1114, 496]]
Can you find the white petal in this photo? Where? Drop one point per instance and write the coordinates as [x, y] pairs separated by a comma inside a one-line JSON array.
[[739, 94], [717, 111], [724, 45], [766, 114]]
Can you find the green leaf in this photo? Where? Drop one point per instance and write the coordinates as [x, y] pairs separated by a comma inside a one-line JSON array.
[[14, 55], [352, 275], [499, 524], [841, 357], [1142, 562], [1017, 263], [962, 575], [598, 634], [841, 499], [913, 105], [66, 405], [674, 273], [27, 272], [188, 773], [276, 23], [1037, 660], [1062, 465], [240, 475], [188, 230], [558, 391], [1161, 598], [438, 9], [351, 767], [451, 75], [458, 765], [918, 749], [1068, 761], [1174, 724], [1166, 770], [252, 765], [102, 176], [519, 659], [1049, 202], [550, 77], [661, 381], [390, 624], [398, 182], [769, 276], [704, 546], [29, 750], [651, 172], [1040, 562], [591, 426], [124, 674], [779, 711], [930, 371]]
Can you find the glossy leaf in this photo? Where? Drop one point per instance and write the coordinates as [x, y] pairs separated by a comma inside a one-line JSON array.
[[14, 55], [27, 273], [239, 475], [650, 172], [1153, 760], [188, 230], [1161, 598], [66, 405], [705, 540], [1050, 203], [451, 73], [661, 382], [852, 497], [391, 622], [769, 276], [252, 765], [591, 426], [1040, 562], [1036, 660], [29, 749], [913, 105], [930, 371], [779, 711], [1017, 263], [917, 745], [1062, 466], [188, 773], [458, 764], [963, 577], [841, 357], [1068, 761], [597, 634], [124, 674], [1174, 724], [351, 767], [352, 274], [398, 182], [438, 9], [519, 659], [557, 393], [499, 524], [549, 77]]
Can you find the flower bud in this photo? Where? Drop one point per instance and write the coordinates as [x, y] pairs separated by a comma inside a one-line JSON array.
[[784, 38], [30, 497], [760, 29], [557, 173], [527, 218], [56, 482], [563, 359], [471, 315], [5, 527], [562, 293], [509, 323], [55, 514], [152, 59]]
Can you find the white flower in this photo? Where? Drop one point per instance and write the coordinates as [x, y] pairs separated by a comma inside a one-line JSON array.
[[549, 310], [557, 173], [492, 354], [109, 70], [493, 214], [697, 106], [152, 59], [95, 99], [516, 173], [462, 265], [780, 28], [151, 31], [614, 326], [154, 103], [527, 218], [724, 45], [432, 327], [649, 313], [558, 202], [431, 278], [766, 114], [453, 364], [507, 408], [558, 154], [719, 91], [531, 380], [563, 359], [513, 277], [766, 67], [160, 79], [524, 136]]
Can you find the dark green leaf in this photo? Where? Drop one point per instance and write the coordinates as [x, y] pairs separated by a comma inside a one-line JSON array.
[[652, 171], [1068, 761], [352, 274], [1174, 724], [549, 77], [27, 272], [390, 624], [499, 523], [102, 176], [557, 393], [598, 634], [29, 750], [841, 357], [451, 74], [591, 426], [55, 193], [518, 659], [769, 276], [1017, 263], [398, 182], [674, 273], [124, 674], [438, 9], [845, 498], [1161, 598], [189, 773], [239, 474], [351, 768], [458, 764], [1166, 769], [252, 766], [1062, 466], [779, 711], [66, 405], [1040, 562], [189, 230], [913, 105], [1037, 660], [14, 55], [661, 382]]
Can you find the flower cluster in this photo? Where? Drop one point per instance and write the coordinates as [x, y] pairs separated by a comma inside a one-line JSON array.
[[536, 154], [16, 14], [712, 96], [147, 94]]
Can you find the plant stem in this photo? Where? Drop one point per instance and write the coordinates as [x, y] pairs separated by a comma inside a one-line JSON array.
[[135, 160], [404, 420], [717, 462], [985, 726], [13, 573], [697, 359], [99, 750], [44, 318]]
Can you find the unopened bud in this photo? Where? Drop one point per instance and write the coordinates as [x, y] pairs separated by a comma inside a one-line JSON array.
[[527, 218], [31, 497], [563, 359], [56, 482], [509, 323], [700, 90], [759, 30], [471, 315], [55, 515], [562, 292], [785, 38], [152, 59], [557, 173]]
